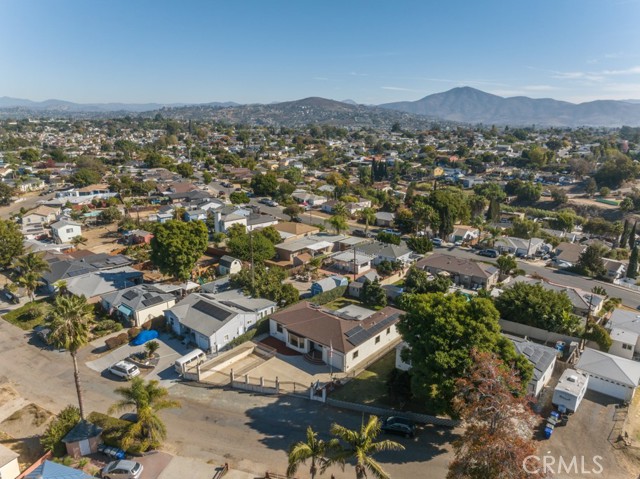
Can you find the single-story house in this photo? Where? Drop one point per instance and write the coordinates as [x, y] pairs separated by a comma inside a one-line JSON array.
[[139, 237], [568, 254], [384, 218], [463, 272], [352, 261], [138, 304], [466, 234], [41, 215], [341, 343], [615, 269], [290, 231], [64, 231], [543, 359], [210, 323], [315, 245], [302, 196], [386, 252], [229, 265], [519, 246], [53, 470], [609, 374], [9, 466], [327, 284], [96, 284]]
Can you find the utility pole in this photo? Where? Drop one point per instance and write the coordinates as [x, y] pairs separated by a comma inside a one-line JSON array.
[[355, 266], [253, 271]]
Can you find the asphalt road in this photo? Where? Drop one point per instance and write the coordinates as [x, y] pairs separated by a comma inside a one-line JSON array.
[[28, 202]]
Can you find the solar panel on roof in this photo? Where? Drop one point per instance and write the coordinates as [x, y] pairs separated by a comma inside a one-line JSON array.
[[354, 331], [152, 301], [147, 295], [129, 295], [212, 310], [359, 335]]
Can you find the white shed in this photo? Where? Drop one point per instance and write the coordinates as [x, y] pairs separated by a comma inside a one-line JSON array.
[[608, 374]]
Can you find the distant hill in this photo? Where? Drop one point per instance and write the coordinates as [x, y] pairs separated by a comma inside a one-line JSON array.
[[67, 106], [469, 105]]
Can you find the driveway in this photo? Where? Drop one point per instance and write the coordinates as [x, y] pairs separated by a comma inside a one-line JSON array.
[[170, 350], [588, 434]]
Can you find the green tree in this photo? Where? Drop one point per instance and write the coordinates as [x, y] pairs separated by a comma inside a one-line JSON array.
[[387, 237], [632, 268], [590, 262], [533, 305], [76, 241], [177, 245], [404, 220], [239, 197], [441, 331], [450, 206], [293, 211], [110, 215], [185, 170], [58, 428], [360, 446], [524, 228], [338, 223], [420, 244], [265, 185], [148, 398], [293, 175], [266, 283], [256, 246], [314, 449], [590, 186], [271, 234], [373, 295], [493, 213], [418, 281], [85, 177], [31, 266], [599, 335], [632, 235], [6, 192], [70, 320], [368, 217], [627, 205], [151, 347], [207, 177], [506, 264]]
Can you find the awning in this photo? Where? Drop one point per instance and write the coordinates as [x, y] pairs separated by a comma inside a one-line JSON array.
[[125, 310]]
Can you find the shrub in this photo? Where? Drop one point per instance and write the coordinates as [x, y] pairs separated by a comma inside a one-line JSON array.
[[324, 298], [116, 341], [158, 323], [113, 429], [261, 327], [107, 326], [133, 332], [51, 439]]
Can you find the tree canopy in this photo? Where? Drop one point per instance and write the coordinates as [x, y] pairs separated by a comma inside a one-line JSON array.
[[11, 242], [177, 245], [257, 246]]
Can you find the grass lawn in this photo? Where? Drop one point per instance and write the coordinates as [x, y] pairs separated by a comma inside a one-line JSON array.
[[26, 318], [370, 386], [341, 303]]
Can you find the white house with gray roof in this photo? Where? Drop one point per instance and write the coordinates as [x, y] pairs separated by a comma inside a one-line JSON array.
[[211, 321], [608, 374], [383, 251], [138, 304], [543, 359], [624, 327]]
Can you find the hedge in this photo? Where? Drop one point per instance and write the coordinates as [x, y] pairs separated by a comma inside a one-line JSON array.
[[119, 340], [113, 429], [262, 327], [158, 323], [324, 298]]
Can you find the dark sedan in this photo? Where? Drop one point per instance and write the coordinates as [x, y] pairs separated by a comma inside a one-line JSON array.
[[398, 425]]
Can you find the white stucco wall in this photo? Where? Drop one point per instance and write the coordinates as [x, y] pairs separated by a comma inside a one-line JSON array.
[[617, 349], [370, 347], [11, 470]]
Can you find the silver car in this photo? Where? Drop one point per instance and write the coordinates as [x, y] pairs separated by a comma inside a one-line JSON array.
[[122, 470]]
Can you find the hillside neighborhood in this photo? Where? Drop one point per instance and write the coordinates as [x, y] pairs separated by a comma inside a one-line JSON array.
[[201, 296]]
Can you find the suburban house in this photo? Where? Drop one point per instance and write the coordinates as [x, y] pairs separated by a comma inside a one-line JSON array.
[[290, 231], [615, 269], [138, 304], [327, 284], [463, 272], [386, 252], [543, 359], [306, 198], [229, 265], [138, 237], [608, 374], [211, 323], [624, 328], [584, 302], [9, 466], [355, 287], [568, 254], [53, 470], [466, 234], [519, 246], [352, 261], [41, 215], [341, 343], [384, 219], [95, 284], [313, 245], [64, 231]]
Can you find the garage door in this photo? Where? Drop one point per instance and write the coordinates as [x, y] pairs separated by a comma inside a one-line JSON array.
[[610, 388]]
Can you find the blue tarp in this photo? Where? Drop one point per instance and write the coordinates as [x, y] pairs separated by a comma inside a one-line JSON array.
[[144, 336]]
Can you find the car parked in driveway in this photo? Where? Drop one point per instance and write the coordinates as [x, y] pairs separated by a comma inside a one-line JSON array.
[[398, 425], [489, 253], [123, 469], [125, 370]]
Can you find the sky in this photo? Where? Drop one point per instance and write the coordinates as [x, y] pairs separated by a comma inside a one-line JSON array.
[[261, 51]]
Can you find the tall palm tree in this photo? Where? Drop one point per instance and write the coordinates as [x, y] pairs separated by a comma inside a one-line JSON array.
[[147, 398], [314, 449], [368, 215], [338, 223], [360, 446], [70, 320]]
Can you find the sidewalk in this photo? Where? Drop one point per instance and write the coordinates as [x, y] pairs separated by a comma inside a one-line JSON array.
[[199, 470]]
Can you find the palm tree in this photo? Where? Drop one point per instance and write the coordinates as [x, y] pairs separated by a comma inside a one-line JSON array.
[[147, 398], [31, 266], [338, 222], [368, 215], [314, 449], [151, 347], [360, 446], [70, 319], [78, 240]]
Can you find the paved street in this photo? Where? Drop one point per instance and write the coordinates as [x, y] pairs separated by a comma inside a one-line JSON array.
[[29, 201]]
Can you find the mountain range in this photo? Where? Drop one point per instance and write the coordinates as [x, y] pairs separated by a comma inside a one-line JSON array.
[[458, 105]]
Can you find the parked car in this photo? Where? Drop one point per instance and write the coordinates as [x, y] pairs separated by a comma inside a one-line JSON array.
[[436, 242], [124, 369], [272, 203], [360, 233], [489, 253], [123, 469], [398, 425]]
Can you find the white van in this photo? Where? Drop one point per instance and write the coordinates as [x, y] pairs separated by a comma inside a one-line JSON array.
[[189, 360]]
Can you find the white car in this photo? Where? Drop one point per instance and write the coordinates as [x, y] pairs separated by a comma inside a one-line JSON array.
[[125, 369], [122, 469]]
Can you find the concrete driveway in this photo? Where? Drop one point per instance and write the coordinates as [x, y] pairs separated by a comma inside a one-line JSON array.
[[170, 350]]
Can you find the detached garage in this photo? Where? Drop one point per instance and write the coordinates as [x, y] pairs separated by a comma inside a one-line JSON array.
[[608, 374]]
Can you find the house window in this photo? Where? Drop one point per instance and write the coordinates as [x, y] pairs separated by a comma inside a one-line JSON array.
[[69, 230], [377, 339], [354, 355], [226, 337], [388, 330], [296, 341], [279, 327], [627, 346]]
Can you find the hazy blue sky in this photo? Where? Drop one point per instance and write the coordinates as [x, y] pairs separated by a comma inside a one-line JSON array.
[[271, 50]]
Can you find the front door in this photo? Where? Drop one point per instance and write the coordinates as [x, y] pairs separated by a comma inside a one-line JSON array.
[[85, 448]]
